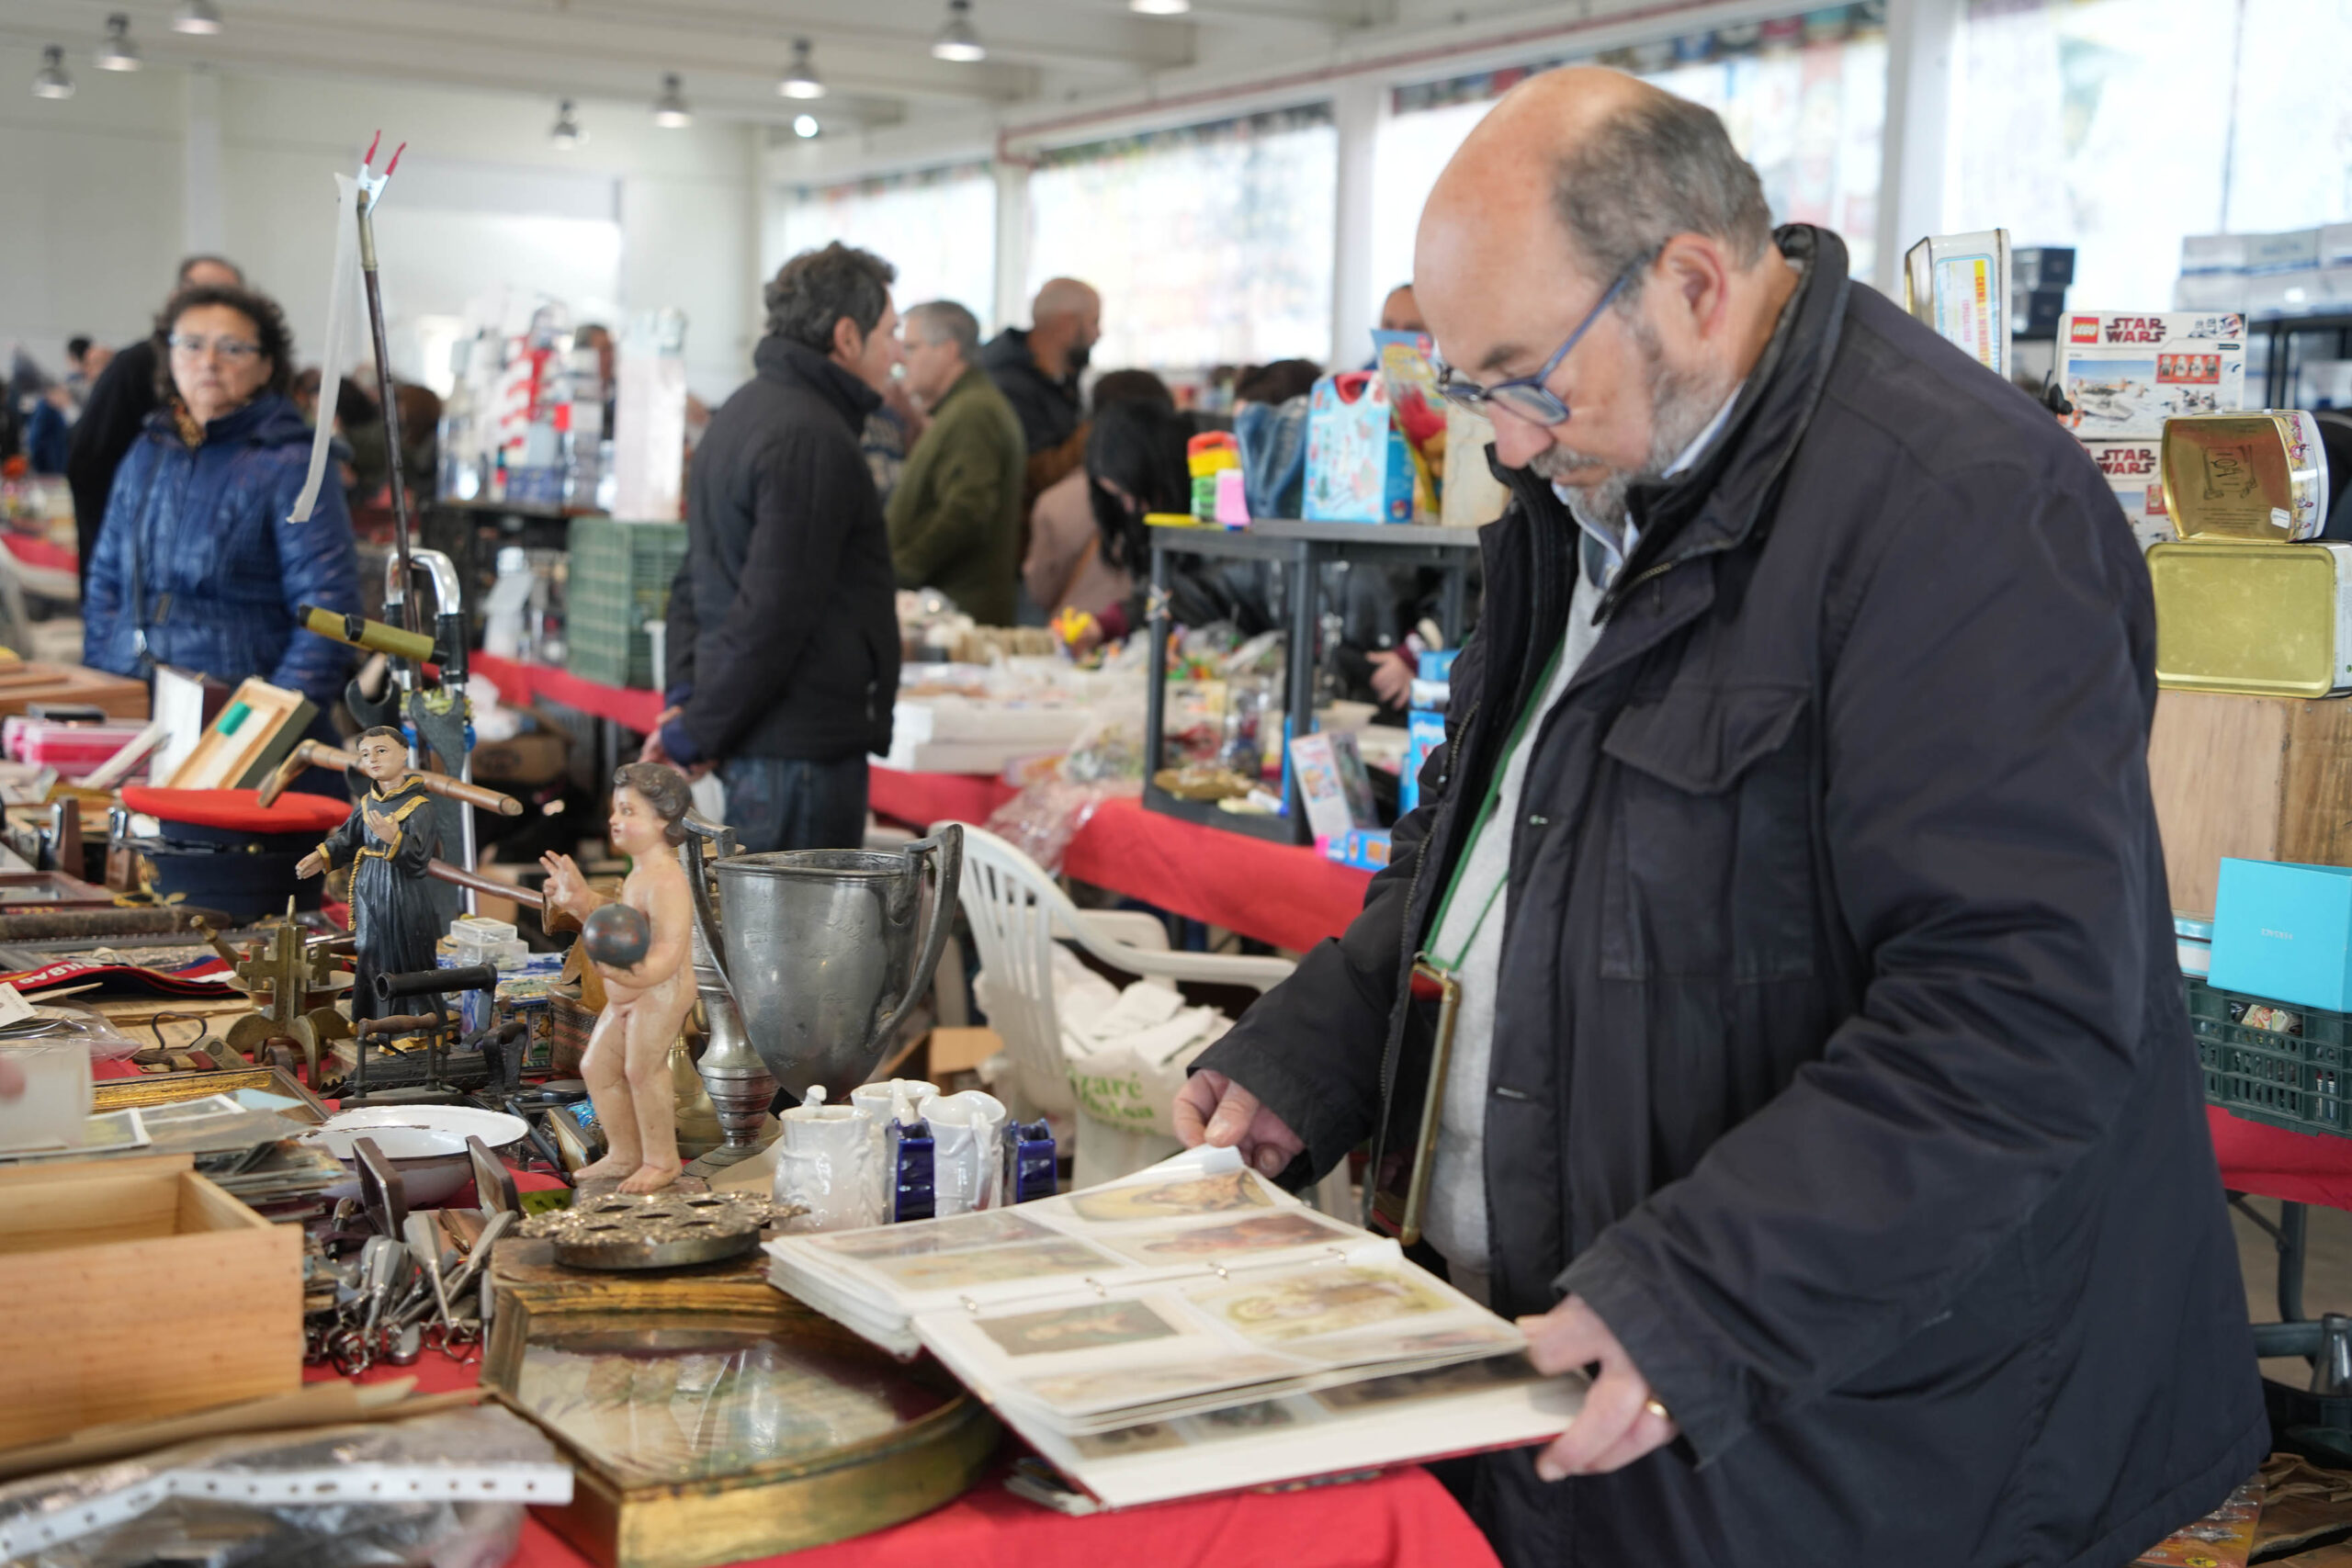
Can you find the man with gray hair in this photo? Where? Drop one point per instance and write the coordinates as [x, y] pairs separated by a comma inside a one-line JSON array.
[[783, 630], [956, 514], [1819, 1078]]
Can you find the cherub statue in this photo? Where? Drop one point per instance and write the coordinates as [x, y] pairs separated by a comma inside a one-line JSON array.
[[646, 1001], [386, 841]]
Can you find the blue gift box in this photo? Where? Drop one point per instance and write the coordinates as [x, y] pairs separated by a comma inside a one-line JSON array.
[[2283, 932]]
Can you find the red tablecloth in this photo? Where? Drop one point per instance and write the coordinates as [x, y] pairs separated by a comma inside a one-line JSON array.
[[522, 683], [1404, 1518], [1284, 894], [2271, 1162]]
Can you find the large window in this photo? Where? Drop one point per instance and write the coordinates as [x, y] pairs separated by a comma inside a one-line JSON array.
[[1210, 246], [937, 227], [1803, 97], [2117, 127]]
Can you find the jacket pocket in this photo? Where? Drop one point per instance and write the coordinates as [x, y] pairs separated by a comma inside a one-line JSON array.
[[1709, 854]]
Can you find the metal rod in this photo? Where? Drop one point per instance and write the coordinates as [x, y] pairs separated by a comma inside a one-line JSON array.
[[390, 408]]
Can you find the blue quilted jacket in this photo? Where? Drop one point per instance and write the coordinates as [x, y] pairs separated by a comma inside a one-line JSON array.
[[196, 553]]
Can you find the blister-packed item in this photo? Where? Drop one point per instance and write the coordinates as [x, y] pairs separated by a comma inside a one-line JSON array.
[[445, 1491]]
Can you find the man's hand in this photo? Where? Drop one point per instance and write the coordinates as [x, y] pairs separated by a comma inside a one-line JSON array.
[[654, 752], [1621, 1420], [1212, 1109], [1392, 678]]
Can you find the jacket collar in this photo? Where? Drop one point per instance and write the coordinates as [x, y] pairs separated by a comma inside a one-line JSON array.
[[964, 383], [789, 364], [1715, 504], [269, 419]]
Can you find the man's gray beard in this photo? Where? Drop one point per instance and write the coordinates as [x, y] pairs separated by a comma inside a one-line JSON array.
[[1681, 405]]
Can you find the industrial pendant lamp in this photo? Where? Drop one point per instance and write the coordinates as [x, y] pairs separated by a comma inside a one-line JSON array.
[[1160, 8], [200, 18], [799, 79], [670, 111], [805, 127], [566, 133], [958, 40], [117, 53], [51, 81]]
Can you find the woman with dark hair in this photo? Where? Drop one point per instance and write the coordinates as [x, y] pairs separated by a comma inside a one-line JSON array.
[[1065, 569], [197, 565], [1135, 467]]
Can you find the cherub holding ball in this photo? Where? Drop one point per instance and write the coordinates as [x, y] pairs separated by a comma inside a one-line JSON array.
[[641, 946]]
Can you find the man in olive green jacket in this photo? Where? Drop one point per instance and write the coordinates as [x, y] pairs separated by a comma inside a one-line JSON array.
[[956, 514]]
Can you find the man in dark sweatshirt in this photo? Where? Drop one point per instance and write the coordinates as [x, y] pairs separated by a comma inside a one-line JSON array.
[[783, 631]]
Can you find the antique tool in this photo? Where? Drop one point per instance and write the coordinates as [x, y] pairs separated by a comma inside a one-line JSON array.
[[380, 1189], [299, 976], [494, 1191], [653, 1230], [820, 954], [425, 1249]]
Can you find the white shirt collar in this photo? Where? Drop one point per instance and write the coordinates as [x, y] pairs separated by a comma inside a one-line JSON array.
[[1618, 548]]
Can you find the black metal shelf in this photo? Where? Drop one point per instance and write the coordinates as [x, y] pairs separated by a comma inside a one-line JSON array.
[[1302, 547]]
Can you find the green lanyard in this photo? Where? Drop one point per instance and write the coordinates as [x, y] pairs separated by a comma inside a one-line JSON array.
[[1535, 704]]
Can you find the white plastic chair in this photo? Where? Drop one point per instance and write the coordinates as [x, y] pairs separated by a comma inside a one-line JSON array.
[[1016, 913]]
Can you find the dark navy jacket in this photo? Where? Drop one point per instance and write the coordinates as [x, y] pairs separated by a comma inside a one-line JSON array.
[[200, 538]]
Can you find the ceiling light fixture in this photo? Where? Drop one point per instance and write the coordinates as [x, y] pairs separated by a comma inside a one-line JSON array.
[[198, 17], [799, 79], [670, 111], [805, 127], [51, 81], [957, 40], [117, 53], [566, 133], [1160, 8]]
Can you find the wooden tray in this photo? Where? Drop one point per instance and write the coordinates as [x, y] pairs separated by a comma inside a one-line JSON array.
[[796, 1432], [132, 1288], [272, 722], [26, 681]]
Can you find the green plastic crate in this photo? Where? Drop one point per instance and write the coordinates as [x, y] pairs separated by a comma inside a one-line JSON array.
[[2297, 1081], [619, 579]]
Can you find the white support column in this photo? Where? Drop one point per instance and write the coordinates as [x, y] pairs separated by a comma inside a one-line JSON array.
[[1012, 245], [1922, 43], [1358, 105], [204, 227]]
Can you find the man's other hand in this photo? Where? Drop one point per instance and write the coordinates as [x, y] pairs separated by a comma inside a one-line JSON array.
[[1621, 1420], [1392, 678], [1212, 1109]]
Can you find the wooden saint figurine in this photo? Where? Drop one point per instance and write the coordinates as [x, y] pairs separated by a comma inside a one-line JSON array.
[[386, 841], [646, 1000]]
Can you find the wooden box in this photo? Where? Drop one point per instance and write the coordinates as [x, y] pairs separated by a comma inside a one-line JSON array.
[[25, 682], [2248, 778], [133, 1288]]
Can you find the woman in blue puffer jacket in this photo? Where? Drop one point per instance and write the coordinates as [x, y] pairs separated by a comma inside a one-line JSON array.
[[197, 566]]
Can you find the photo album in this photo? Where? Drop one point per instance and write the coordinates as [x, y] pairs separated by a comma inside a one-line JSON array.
[[1189, 1329]]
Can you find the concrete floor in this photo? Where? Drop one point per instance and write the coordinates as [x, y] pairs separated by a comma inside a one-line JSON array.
[[2327, 1274]]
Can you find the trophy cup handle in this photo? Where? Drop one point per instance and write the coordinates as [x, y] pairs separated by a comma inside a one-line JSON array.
[[945, 852], [722, 840]]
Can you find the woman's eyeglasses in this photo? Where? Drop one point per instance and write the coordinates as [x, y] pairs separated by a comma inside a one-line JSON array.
[[1527, 396], [236, 351]]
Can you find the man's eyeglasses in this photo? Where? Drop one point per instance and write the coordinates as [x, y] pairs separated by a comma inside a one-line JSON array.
[[234, 350], [1527, 396]]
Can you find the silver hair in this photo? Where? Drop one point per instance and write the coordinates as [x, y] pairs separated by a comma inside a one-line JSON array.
[[1660, 167], [944, 320]]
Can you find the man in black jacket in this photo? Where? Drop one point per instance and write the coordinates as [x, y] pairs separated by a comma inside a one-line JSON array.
[[119, 403], [1833, 1094], [783, 630]]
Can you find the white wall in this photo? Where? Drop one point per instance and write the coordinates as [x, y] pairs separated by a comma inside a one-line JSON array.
[[95, 185]]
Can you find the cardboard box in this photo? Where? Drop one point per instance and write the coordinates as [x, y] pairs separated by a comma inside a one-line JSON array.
[[2283, 932], [2134, 472], [99, 1258], [2127, 372]]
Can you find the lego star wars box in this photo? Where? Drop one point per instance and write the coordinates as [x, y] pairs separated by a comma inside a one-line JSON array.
[[2127, 372], [2134, 471]]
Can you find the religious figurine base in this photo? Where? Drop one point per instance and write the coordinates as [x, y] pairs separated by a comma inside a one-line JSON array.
[[670, 1229]]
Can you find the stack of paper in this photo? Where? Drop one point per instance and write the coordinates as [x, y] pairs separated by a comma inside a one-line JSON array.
[[1190, 1329]]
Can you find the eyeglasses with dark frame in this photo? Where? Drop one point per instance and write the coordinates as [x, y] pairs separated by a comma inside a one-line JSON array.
[[1527, 396]]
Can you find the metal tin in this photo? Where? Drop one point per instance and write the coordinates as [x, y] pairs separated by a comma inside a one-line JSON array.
[[2260, 475], [2263, 620]]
